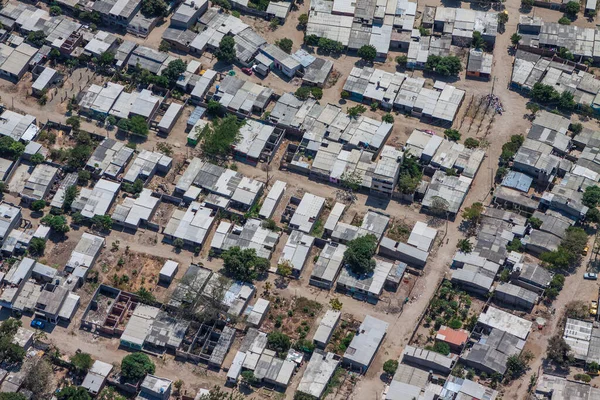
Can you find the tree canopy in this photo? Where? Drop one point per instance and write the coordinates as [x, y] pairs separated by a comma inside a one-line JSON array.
[[285, 44], [10, 148], [173, 71], [154, 8], [410, 175], [446, 66], [591, 196], [244, 264], [135, 366], [226, 50], [219, 137], [57, 223], [390, 367], [572, 8], [37, 38], [136, 125], [359, 254], [367, 52], [279, 342], [82, 362], [73, 393], [9, 351]]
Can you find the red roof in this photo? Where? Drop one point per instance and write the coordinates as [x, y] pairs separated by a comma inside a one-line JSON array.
[[457, 337]]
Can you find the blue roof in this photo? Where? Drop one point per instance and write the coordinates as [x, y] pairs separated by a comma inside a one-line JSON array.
[[304, 58], [196, 115], [517, 180]]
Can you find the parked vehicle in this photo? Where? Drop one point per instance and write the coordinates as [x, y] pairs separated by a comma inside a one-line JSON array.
[[247, 71], [591, 276], [38, 324]]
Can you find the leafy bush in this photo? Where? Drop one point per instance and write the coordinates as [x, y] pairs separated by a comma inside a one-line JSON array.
[[135, 366]]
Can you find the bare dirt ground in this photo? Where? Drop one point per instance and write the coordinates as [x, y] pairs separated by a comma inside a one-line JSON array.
[[472, 123]]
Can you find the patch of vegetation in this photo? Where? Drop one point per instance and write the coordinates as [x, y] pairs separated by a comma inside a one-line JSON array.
[[244, 265], [359, 254], [445, 66]]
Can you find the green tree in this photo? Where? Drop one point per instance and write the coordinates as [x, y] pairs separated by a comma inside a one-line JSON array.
[[285, 44], [478, 42], [36, 38], [354, 112], [164, 46], [73, 393], [38, 205], [221, 136], [57, 223], [12, 396], [55, 10], [279, 342], [535, 222], [401, 60], [10, 352], [102, 222], [566, 101], [388, 118], [37, 246], [226, 50], [473, 213], [572, 8], [244, 264], [311, 40], [390, 367], [544, 93], [135, 125], [593, 216], [154, 8], [502, 18], [10, 148], [303, 20], [330, 46], [471, 143], [106, 59], [527, 3], [135, 366], [109, 393], [367, 52], [303, 92], [359, 254], [317, 92], [576, 128], [452, 134], [564, 21], [178, 243], [174, 70], [37, 158], [213, 107], [351, 180], [515, 38], [82, 362], [464, 245], [446, 66], [517, 364], [410, 175], [442, 348], [591, 196], [83, 176]]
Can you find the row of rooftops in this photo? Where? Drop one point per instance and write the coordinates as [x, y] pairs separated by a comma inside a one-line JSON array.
[[552, 36], [112, 99], [563, 76], [402, 92], [367, 22]]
